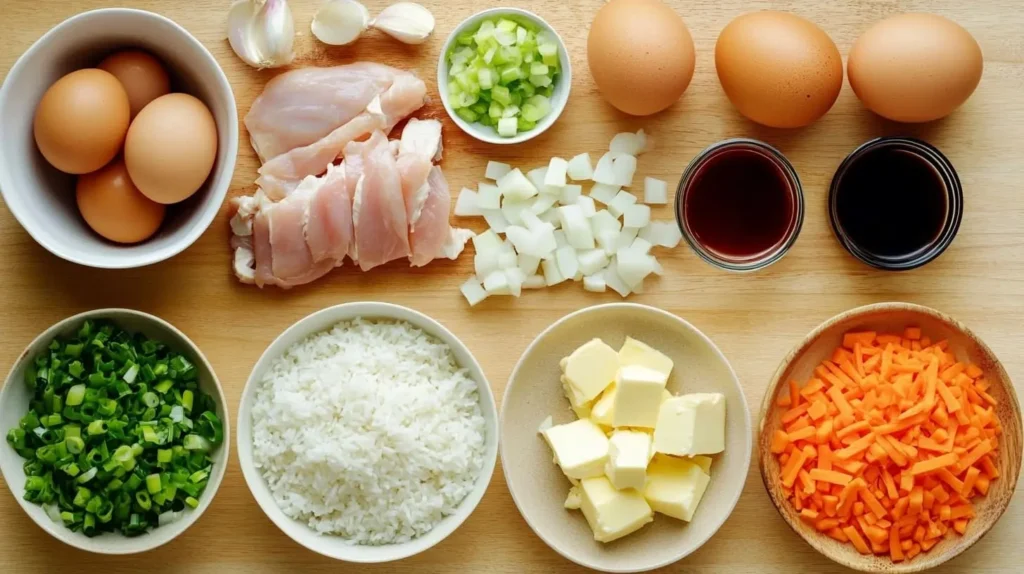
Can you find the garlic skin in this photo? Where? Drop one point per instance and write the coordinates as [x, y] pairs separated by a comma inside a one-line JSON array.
[[407, 22], [340, 22], [262, 32]]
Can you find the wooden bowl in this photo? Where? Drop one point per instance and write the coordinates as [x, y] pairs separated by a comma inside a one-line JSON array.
[[539, 488], [893, 318]]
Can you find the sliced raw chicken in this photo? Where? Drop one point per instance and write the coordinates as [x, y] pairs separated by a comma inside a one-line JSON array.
[[378, 213], [329, 217], [420, 143], [279, 176], [302, 106], [428, 231]]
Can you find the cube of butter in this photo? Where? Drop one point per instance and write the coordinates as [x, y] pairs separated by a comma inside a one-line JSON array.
[[691, 424], [628, 455], [704, 462], [573, 500], [601, 413], [675, 486], [612, 513], [591, 368], [579, 405], [580, 448], [635, 352], [638, 396]]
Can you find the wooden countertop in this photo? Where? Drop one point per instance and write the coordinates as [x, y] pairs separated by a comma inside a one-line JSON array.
[[755, 319]]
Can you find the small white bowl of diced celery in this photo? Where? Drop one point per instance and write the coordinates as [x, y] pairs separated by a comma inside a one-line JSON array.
[[504, 75]]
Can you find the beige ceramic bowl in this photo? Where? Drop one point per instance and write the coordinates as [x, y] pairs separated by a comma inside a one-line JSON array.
[[539, 487], [894, 318]]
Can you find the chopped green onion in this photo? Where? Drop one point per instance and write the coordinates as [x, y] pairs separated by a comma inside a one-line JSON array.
[[153, 483]]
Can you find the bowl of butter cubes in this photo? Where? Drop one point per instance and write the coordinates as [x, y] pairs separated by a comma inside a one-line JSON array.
[[625, 437]]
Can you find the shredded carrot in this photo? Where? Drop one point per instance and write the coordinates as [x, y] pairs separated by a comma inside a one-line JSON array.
[[888, 443]]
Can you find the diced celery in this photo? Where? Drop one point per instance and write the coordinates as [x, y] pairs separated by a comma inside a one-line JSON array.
[[501, 95], [529, 58], [510, 74], [480, 108], [527, 89], [547, 91], [521, 35], [507, 127], [540, 81], [489, 55], [517, 98], [525, 125], [548, 49], [488, 120], [464, 39], [538, 69], [550, 60], [505, 38], [510, 111], [512, 55], [541, 103], [454, 88], [486, 78], [496, 110], [506, 25], [530, 112], [456, 69], [486, 31], [467, 114]]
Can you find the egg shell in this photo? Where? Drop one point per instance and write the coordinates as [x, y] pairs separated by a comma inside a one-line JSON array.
[[778, 69], [915, 67], [81, 121], [640, 54], [114, 207], [143, 77], [171, 147]]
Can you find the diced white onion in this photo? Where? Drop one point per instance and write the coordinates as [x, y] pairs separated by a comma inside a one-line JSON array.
[[628, 143], [637, 215], [467, 205], [592, 260], [487, 241], [473, 291], [580, 168], [552, 276], [568, 265], [555, 176], [496, 283], [513, 208], [604, 193], [560, 239], [655, 191], [489, 196], [570, 193], [627, 236], [622, 200], [536, 176], [495, 219], [662, 233], [551, 217], [608, 240], [497, 170], [594, 283], [614, 282], [641, 244], [543, 202], [507, 260], [528, 264], [624, 167], [586, 203], [515, 185], [535, 282], [514, 277], [605, 170], [634, 266], [576, 227]]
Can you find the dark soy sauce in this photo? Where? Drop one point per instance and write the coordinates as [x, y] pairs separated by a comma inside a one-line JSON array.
[[740, 205], [891, 203]]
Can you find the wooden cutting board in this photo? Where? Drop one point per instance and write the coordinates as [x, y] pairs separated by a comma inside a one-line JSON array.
[[755, 319]]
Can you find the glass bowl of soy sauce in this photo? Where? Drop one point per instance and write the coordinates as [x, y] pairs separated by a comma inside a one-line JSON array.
[[896, 203], [740, 205]]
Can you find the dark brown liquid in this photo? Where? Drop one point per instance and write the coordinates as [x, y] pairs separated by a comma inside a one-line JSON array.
[[891, 203], [740, 205]]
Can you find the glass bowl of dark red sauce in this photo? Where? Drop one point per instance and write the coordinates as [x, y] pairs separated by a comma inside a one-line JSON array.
[[896, 203], [740, 205]]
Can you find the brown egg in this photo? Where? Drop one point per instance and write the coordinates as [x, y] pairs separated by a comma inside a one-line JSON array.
[[915, 67], [640, 54], [114, 208], [171, 147], [778, 69], [143, 77], [81, 121]]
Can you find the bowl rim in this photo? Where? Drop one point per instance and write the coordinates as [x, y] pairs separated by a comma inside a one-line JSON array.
[[746, 419], [373, 310], [60, 532], [766, 406], [204, 216], [477, 132]]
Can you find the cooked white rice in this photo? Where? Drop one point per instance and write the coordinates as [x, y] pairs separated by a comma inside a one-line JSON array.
[[369, 431]]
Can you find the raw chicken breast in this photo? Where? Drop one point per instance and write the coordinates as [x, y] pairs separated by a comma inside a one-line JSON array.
[[302, 106], [378, 213], [329, 217], [279, 176], [420, 143], [429, 230]]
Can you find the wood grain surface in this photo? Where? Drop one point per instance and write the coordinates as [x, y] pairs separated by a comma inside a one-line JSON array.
[[755, 318]]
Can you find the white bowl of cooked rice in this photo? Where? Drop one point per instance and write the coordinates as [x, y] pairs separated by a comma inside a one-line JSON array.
[[367, 432]]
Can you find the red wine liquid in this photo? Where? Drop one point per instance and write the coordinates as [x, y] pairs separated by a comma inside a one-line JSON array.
[[740, 205], [891, 203]]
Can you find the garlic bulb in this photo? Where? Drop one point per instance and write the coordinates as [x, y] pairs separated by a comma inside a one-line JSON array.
[[340, 22], [261, 32], [406, 22]]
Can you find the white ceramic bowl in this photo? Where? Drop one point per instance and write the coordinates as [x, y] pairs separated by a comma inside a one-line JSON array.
[[42, 198], [333, 546], [538, 486], [14, 399], [558, 98]]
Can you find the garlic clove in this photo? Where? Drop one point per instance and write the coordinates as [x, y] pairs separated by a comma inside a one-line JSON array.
[[262, 32], [340, 22], [406, 22]]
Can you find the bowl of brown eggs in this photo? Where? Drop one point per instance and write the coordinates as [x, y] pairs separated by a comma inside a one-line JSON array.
[[120, 136]]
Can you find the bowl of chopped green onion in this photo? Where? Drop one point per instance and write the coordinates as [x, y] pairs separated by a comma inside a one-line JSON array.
[[504, 75], [116, 431]]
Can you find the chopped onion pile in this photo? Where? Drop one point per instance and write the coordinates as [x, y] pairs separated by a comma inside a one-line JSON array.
[[503, 74], [553, 233]]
